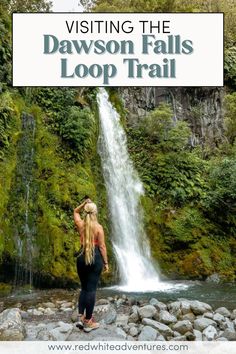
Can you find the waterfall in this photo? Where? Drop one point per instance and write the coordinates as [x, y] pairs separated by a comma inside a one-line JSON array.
[[24, 203], [137, 269]]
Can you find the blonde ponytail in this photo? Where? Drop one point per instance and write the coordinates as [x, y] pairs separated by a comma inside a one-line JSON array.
[[88, 244], [88, 241]]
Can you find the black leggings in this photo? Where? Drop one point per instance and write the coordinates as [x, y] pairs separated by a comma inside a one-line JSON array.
[[89, 276]]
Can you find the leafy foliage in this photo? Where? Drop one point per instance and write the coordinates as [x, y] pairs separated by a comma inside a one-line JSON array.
[[65, 116], [220, 201], [29, 5], [162, 129], [230, 66], [5, 48], [230, 117], [6, 120], [78, 130]]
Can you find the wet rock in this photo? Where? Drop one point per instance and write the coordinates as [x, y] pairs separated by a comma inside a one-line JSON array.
[[130, 338], [199, 308], [148, 334], [49, 312], [157, 304], [229, 334], [2, 306], [213, 278], [11, 325], [120, 302], [222, 339], [36, 312], [24, 315], [223, 311], [132, 301], [51, 305], [160, 338], [209, 315], [166, 317], [102, 302], [45, 335], [209, 333], [122, 320], [190, 336], [202, 323], [147, 311], [179, 339], [134, 318], [67, 309], [133, 331], [125, 328], [106, 313], [218, 318], [67, 305], [175, 308], [234, 322], [41, 309], [62, 331], [183, 326], [64, 327], [185, 307], [233, 315], [176, 334], [120, 332], [189, 316], [160, 327], [227, 324], [198, 335], [74, 316]]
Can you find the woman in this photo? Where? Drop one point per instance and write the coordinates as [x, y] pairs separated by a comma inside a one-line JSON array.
[[90, 262]]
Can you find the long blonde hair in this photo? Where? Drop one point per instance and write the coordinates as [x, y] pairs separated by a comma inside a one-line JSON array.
[[88, 244]]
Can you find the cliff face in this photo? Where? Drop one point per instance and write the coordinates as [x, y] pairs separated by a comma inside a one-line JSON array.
[[201, 107]]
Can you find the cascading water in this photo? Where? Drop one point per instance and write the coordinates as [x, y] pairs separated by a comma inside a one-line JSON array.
[[124, 189], [24, 203]]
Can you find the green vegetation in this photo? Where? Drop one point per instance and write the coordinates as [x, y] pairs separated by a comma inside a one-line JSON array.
[[190, 200]]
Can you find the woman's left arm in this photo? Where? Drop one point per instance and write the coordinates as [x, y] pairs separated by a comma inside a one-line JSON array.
[[77, 218]]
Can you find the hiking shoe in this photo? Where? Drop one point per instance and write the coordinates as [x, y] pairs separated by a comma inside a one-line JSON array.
[[80, 323], [91, 324]]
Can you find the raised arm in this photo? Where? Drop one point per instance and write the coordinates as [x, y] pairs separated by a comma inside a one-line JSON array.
[[77, 218], [102, 247]]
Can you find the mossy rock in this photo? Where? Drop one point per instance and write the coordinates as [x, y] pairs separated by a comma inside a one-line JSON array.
[[5, 289]]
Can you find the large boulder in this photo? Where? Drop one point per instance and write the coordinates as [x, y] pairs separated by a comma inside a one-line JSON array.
[[160, 327], [233, 314], [175, 308], [209, 333], [218, 318], [166, 317], [148, 334], [229, 334], [198, 335], [199, 308], [147, 311], [122, 320], [106, 313], [62, 331], [158, 304], [11, 325], [202, 323], [223, 311], [183, 326]]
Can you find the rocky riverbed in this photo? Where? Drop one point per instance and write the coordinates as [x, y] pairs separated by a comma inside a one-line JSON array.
[[121, 318]]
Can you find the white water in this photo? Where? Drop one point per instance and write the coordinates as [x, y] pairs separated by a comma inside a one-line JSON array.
[[124, 189]]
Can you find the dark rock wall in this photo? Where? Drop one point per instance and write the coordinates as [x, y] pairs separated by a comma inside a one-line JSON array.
[[201, 107]]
